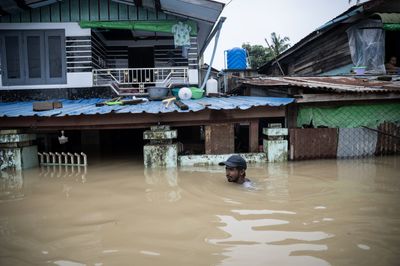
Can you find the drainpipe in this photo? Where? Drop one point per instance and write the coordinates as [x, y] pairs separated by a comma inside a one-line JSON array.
[[216, 31]]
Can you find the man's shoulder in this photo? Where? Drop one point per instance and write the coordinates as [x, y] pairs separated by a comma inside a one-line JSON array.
[[248, 184]]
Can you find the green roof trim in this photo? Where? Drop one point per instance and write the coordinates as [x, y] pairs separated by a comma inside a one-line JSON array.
[[152, 26], [391, 26], [391, 21]]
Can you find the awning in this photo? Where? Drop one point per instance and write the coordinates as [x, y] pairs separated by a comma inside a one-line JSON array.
[[391, 21], [153, 26], [88, 106]]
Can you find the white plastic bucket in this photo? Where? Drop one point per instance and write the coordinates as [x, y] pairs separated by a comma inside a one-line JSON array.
[[211, 86]]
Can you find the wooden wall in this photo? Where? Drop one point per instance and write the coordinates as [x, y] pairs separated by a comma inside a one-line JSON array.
[[327, 52], [94, 10]]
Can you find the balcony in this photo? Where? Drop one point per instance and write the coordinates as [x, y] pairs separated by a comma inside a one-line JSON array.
[[133, 81]]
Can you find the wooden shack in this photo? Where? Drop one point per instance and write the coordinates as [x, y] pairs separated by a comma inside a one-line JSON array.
[[329, 49]]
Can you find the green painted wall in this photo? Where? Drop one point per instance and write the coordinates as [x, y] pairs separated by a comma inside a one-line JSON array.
[[77, 10]]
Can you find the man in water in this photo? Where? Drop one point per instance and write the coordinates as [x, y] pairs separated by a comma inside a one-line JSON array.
[[391, 66], [235, 168]]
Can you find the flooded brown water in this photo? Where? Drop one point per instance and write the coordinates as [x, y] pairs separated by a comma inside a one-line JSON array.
[[324, 212]]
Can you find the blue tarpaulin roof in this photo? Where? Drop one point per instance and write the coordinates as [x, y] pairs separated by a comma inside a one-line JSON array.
[[88, 106]]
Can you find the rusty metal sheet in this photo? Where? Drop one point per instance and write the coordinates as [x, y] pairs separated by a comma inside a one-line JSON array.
[[313, 143], [334, 84], [388, 139]]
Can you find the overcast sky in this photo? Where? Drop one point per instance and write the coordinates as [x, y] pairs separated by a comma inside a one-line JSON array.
[[253, 20]]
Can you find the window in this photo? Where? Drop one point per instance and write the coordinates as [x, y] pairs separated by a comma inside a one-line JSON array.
[[33, 57]]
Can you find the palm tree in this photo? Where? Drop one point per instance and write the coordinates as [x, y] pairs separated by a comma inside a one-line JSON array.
[[279, 44]]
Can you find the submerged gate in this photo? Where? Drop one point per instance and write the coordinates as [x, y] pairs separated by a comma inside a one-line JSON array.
[[313, 143]]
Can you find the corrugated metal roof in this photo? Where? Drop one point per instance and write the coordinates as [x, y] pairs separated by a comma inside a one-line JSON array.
[[336, 84], [389, 17], [88, 106]]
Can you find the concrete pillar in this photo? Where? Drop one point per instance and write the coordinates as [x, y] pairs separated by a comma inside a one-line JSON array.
[[160, 152], [275, 146], [219, 139], [17, 151]]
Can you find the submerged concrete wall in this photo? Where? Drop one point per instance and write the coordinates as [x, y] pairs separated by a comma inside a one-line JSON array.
[[214, 159], [17, 151]]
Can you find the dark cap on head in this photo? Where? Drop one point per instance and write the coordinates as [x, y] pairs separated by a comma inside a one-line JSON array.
[[235, 161]]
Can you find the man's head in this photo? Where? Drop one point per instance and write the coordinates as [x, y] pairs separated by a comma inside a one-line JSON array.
[[393, 60], [235, 168]]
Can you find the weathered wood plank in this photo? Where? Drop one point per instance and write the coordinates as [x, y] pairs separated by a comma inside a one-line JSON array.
[[64, 8], [104, 12], [94, 10], [45, 14], [219, 139], [84, 7], [253, 135], [151, 15], [142, 13], [132, 13], [35, 15], [5, 19], [16, 18], [114, 11], [161, 15], [123, 12], [55, 12], [75, 10]]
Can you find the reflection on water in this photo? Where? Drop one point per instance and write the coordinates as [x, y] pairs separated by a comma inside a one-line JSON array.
[[324, 212], [77, 173], [163, 184], [249, 241], [11, 185]]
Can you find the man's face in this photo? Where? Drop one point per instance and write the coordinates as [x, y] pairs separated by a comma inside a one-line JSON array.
[[232, 174], [393, 60]]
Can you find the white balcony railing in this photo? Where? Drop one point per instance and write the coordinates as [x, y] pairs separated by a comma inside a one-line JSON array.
[[141, 77]]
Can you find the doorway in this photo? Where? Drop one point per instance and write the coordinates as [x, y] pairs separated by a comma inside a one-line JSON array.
[[141, 57]]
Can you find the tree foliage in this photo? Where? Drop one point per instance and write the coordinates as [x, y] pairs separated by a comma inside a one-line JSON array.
[[259, 54], [279, 44]]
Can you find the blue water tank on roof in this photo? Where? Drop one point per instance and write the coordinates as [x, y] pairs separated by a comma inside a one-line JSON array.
[[236, 58]]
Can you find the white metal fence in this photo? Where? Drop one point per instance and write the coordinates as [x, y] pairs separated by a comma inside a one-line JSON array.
[[141, 77]]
